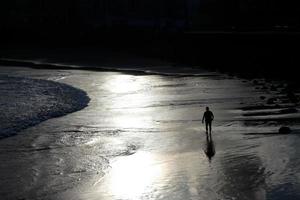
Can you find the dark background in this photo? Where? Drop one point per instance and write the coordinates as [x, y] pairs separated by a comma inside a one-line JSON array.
[[155, 15], [250, 37]]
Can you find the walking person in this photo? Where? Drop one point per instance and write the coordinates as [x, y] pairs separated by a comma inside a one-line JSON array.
[[208, 117]]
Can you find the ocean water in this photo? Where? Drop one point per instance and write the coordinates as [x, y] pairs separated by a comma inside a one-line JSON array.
[[25, 102], [141, 137]]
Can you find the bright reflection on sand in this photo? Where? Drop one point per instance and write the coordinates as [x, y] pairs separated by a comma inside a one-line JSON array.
[[124, 84], [131, 95], [133, 176], [132, 122]]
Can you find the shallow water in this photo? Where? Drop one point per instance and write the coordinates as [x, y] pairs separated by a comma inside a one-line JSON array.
[[141, 137]]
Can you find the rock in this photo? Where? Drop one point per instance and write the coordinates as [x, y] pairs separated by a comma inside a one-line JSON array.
[[262, 97], [271, 101], [255, 82], [273, 88], [285, 130]]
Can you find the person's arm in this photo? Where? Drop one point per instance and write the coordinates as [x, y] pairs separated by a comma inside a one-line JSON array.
[[203, 118]]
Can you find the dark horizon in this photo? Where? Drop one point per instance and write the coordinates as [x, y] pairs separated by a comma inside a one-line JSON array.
[[155, 15], [215, 33]]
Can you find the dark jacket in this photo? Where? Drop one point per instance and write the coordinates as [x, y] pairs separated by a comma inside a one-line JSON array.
[[208, 116]]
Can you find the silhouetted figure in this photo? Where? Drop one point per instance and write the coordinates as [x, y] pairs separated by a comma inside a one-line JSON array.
[[210, 147], [208, 117]]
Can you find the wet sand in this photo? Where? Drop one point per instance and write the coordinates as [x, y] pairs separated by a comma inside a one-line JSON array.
[[141, 137]]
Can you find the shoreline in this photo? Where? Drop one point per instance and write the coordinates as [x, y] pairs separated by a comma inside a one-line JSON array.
[[150, 66], [269, 56], [277, 93], [124, 69]]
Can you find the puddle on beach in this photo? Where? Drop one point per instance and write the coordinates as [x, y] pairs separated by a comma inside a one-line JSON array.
[[141, 137]]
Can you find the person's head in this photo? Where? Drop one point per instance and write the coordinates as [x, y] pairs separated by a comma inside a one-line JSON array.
[[207, 108]]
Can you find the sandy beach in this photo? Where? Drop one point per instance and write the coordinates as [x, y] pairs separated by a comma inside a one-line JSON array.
[[141, 137]]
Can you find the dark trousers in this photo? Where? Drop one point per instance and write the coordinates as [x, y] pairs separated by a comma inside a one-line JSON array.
[[208, 125]]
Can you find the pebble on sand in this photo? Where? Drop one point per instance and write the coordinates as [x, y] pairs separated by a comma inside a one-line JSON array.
[[285, 130], [271, 100], [262, 97]]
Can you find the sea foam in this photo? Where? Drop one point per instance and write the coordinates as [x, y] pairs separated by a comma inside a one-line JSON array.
[[26, 102]]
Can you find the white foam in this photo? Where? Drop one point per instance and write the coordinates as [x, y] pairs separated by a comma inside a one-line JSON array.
[[26, 102]]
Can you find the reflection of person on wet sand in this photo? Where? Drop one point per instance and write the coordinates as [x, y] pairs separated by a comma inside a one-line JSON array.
[[208, 116], [210, 146]]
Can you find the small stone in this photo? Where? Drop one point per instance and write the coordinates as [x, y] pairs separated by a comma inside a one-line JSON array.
[[273, 88], [271, 101], [262, 97], [285, 130]]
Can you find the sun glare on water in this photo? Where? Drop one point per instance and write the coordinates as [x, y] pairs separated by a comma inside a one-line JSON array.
[[125, 84], [133, 176], [132, 94]]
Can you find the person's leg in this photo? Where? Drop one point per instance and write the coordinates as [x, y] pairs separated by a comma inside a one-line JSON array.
[[206, 126], [210, 126]]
